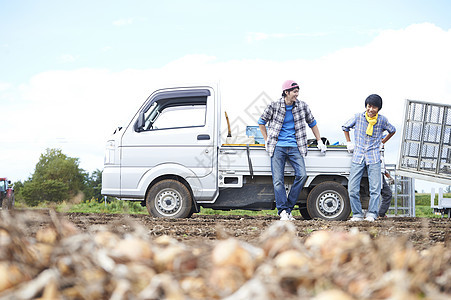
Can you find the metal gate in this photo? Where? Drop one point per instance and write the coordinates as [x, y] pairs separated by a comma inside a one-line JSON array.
[[403, 190], [425, 151]]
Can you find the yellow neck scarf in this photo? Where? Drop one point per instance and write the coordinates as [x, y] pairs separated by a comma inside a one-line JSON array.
[[371, 122]]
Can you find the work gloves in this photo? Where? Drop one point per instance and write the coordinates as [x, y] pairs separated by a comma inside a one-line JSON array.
[[322, 147], [350, 147]]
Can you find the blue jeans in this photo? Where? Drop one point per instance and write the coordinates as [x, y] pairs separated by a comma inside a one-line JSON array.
[[374, 180], [281, 155]]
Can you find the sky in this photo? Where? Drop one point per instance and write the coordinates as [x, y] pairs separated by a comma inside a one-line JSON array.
[[72, 71]]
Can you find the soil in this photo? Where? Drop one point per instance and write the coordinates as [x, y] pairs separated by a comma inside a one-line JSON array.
[[201, 231]]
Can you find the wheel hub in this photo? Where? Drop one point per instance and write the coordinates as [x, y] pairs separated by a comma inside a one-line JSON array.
[[168, 201], [329, 203]]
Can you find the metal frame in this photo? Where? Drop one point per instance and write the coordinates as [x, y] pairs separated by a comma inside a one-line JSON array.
[[403, 194], [426, 123]]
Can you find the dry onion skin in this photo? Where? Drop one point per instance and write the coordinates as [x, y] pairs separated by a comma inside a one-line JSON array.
[[60, 262]]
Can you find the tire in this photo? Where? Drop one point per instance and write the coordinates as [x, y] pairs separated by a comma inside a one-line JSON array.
[[7, 203], [169, 199], [4, 203], [304, 213], [329, 200]]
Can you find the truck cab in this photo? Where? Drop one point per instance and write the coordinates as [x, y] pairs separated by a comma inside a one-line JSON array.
[[174, 136]]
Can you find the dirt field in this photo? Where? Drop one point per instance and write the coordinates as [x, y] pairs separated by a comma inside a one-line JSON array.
[[203, 230], [50, 255]]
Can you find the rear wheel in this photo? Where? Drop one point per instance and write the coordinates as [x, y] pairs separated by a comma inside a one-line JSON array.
[[329, 201], [169, 198]]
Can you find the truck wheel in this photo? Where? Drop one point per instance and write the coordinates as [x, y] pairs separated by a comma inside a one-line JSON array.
[[329, 201], [169, 198]]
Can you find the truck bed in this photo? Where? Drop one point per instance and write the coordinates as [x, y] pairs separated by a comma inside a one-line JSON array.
[[234, 159]]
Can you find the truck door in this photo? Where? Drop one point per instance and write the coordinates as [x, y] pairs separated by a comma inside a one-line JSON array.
[[174, 130]]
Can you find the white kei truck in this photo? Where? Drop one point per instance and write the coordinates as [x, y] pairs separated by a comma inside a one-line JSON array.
[[170, 157]]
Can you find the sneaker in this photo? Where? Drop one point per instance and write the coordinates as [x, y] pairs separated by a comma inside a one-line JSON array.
[[284, 216], [355, 219], [290, 217], [370, 219]]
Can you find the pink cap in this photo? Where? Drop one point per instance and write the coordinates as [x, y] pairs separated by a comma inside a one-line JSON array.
[[289, 84]]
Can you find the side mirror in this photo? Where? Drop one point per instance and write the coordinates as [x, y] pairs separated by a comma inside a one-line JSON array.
[[139, 125]]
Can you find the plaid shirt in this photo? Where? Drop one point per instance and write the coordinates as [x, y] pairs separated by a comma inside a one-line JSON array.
[[367, 147], [274, 115]]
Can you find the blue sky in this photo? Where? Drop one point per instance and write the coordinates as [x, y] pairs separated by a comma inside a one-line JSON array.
[[63, 62], [63, 35]]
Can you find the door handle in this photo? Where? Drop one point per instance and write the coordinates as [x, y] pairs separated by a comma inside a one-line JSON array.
[[228, 152], [203, 137]]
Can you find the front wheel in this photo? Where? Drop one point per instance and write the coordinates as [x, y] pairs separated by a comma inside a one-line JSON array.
[[329, 201], [169, 198], [8, 202]]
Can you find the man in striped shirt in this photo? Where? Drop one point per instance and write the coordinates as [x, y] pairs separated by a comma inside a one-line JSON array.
[[369, 127], [286, 139]]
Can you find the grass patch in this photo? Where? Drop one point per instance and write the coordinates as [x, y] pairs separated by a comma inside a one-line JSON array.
[[112, 207], [425, 199], [422, 208], [425, 211], [423, 205]]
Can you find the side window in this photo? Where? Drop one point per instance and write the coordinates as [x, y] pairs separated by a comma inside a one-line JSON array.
[[180, 116], [175, 113]]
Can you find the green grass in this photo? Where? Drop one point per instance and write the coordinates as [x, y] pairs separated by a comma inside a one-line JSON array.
[[422, 208], [423, 205], [422, 211], [113, 207]]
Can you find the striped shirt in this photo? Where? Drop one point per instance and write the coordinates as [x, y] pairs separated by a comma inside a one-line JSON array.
[[367, 146], [274, 115]]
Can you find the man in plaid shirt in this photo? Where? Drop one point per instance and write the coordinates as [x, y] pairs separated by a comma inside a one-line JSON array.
[[369, 127], [286, 139]]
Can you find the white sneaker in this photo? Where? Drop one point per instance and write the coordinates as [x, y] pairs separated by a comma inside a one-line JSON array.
[[290, 217], [370, 219], [284, 216], [356, 219]]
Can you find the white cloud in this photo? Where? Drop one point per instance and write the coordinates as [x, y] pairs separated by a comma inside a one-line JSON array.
[[84, 106]]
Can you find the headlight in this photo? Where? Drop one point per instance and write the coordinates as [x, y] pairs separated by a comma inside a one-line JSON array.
[[109, 152]]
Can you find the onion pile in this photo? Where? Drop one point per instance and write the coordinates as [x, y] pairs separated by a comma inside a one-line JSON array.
[[60, 262]]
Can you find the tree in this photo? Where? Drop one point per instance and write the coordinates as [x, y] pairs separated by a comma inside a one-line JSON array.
[[93, 186], [57, 177]]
